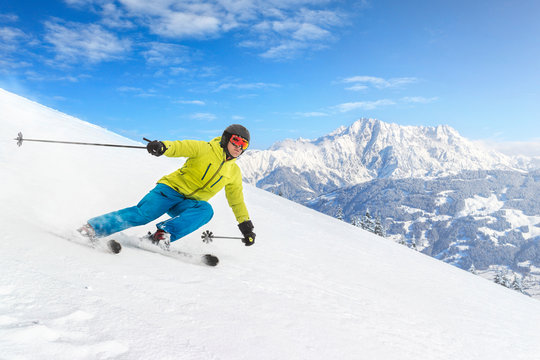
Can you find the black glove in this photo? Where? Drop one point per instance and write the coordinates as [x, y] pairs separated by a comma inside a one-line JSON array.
[[247, 230], [156, 148]]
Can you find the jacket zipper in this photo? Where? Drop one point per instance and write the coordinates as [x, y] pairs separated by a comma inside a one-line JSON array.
[[208, 182], [206, 171], [218, 180]]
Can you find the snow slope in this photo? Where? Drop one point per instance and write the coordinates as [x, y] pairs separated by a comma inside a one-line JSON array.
[[311, 287]]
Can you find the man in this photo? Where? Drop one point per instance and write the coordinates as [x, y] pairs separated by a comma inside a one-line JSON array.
[[183, 195]]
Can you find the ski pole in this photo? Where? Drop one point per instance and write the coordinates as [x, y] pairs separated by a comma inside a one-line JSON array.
[[20, 140], [207, 237]]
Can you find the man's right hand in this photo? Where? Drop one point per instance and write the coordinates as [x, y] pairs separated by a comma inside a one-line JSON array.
[[156, 148]]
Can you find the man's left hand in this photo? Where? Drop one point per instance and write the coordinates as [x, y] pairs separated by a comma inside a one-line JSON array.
[[247, 230]]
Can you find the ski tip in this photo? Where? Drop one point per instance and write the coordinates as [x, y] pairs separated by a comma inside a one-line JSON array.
[[210, 260], [114, 246]]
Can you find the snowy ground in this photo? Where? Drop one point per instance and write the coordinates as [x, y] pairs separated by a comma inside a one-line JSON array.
[[311, 287]]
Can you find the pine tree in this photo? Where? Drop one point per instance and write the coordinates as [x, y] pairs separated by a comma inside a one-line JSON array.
[[368, 223], [378, 228], [507, 282], [339, 213], [517, 285], [355, 221], [499, 278], [504, 279]]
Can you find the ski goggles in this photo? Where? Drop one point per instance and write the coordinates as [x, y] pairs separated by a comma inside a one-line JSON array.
[[239, 141]]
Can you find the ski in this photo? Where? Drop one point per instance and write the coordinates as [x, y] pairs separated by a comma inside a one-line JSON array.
[[144, 243], [194, 258], [111, 246], [114, 246], [205, 259]]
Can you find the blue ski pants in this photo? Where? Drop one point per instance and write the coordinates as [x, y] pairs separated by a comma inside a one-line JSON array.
[[187, 215]]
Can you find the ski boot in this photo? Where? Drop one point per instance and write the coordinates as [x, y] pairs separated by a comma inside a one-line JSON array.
[[88, 232], [160, 238]]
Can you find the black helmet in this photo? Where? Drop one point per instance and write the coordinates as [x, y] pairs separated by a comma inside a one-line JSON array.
[[234, 129]]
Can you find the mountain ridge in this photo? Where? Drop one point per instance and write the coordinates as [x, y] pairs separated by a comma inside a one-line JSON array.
[[366, 150]]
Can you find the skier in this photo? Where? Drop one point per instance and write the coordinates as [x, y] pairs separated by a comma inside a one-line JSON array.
[[183, 194]]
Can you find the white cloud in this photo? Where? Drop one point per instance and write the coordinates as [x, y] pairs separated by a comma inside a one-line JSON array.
[[11, 39], [529, 148], [294, 32], [204, 116], [112, 15], [364, 82], [284, 50], [166, 54], [419, 99], [79, 3], [76, 42], [115, 17], [191, 102], [176, 70], [245, 86], [278, 29], [129, 89], [358, 87], [138, 92], [185, 25], [40, 76], [9, 17], [364, 105], [312, 114], [9, 34], [315, 36], [15, 49], [9, 64], [178, 18]]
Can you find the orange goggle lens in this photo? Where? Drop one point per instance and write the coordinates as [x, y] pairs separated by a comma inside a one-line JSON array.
[[239, 141]]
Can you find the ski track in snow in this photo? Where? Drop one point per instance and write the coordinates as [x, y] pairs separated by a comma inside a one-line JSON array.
[[311, 287], [42, 322], [82, 319]]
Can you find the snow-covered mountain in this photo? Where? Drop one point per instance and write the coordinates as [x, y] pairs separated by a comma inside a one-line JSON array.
[[486, 220], [312, 287], [368, 149], [420, 182]]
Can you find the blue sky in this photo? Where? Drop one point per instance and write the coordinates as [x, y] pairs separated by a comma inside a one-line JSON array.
[[170, 69]]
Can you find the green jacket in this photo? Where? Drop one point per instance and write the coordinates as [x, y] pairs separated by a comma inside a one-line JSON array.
[[205, 173]]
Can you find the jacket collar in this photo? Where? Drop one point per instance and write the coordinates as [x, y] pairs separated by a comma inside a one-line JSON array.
[[215, 143]]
